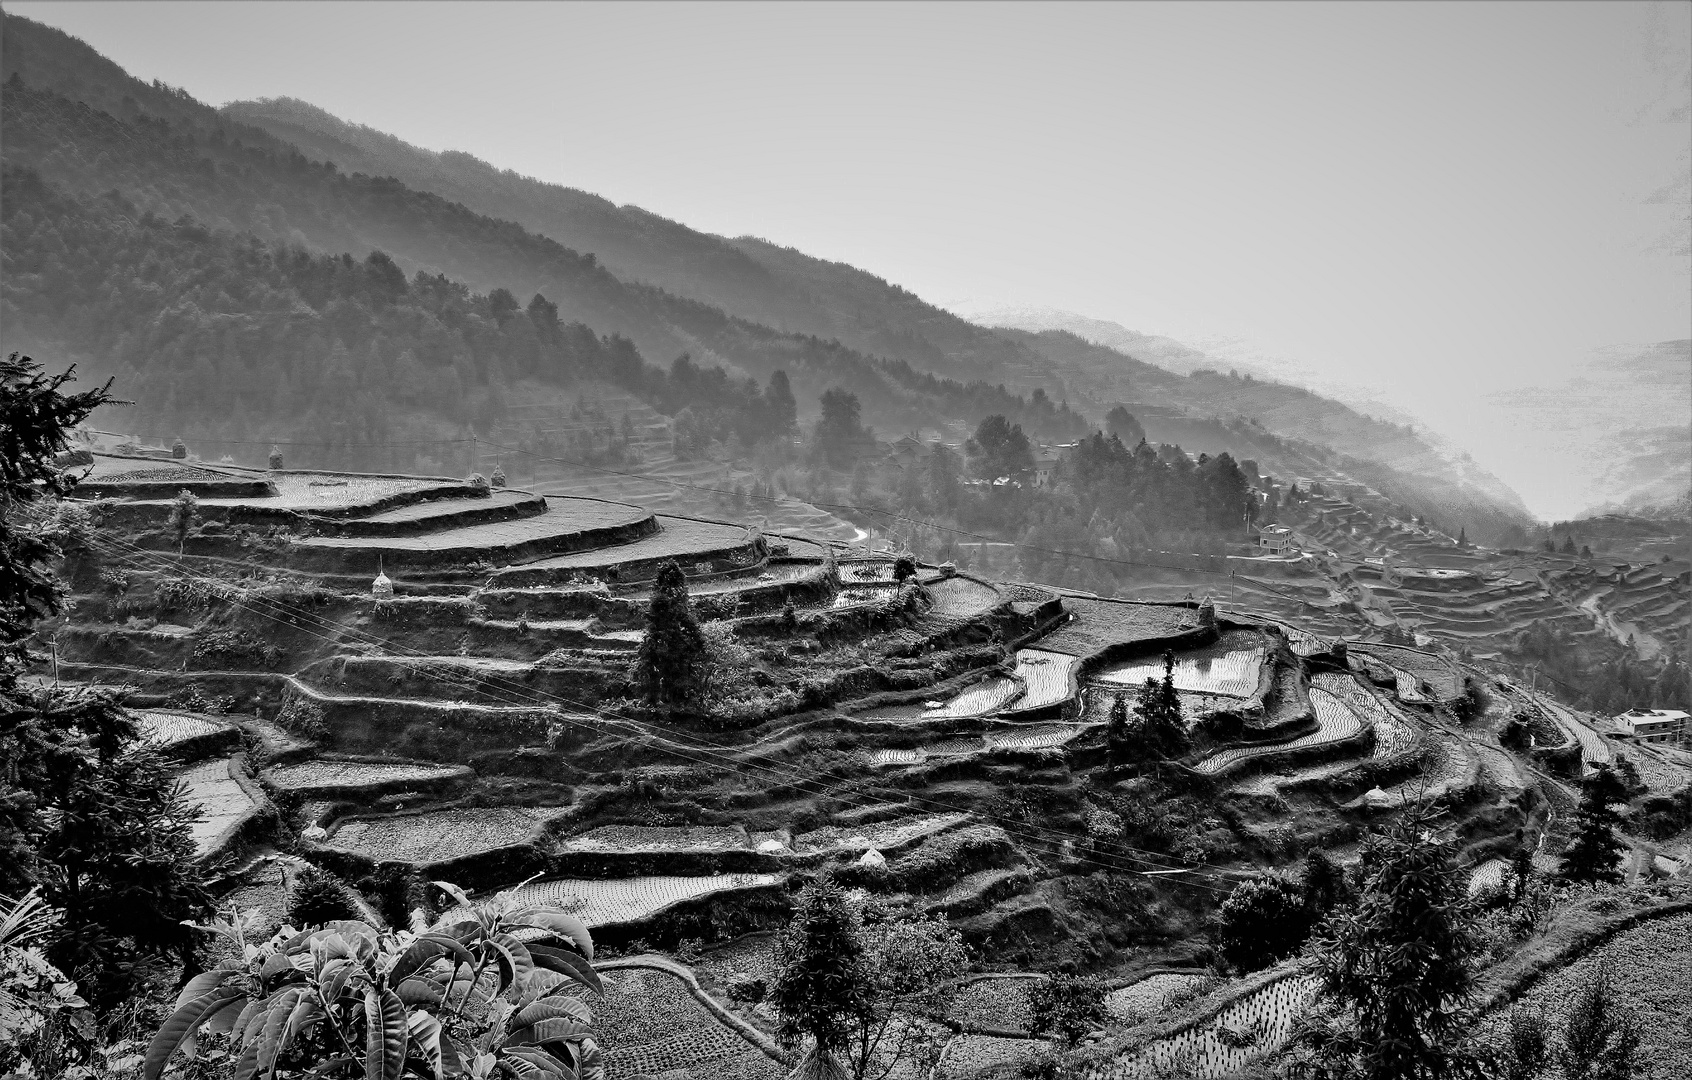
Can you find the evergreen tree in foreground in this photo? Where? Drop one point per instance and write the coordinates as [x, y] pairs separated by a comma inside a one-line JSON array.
[[87, 813], [1599, 1043], [1399, 964], [670, 666], [1596, 850]]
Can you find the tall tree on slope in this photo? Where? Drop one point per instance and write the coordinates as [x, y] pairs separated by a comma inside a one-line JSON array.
[[87, 813], [670, 665], [1595, 853]]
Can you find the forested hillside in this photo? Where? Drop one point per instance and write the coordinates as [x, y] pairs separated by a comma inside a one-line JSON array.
[[1390, 457], [88, 128], [234, 178], [749, 278]]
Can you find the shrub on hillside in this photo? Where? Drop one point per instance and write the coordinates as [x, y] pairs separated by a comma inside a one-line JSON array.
[[303, 717], [1067, 1007], [1264, 920], [230, 648], [316, 898]]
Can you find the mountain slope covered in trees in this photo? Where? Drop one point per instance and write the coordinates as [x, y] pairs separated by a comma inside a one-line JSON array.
[[751, 307], [786, 288], [236, 178], [746, 277]]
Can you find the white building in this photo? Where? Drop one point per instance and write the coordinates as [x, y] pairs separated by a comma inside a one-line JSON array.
[[1276, 540], [1652, 725]]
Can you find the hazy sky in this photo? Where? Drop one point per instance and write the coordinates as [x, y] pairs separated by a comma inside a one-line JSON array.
[[1428, 199]]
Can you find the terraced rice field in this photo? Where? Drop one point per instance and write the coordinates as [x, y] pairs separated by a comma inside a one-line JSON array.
[[1650, 968], [431, 510], [649, 1025], [864, 571], [972, 1055], [677, 538], [1392, 734], [134, 471], [879, 835], [633, 899], [1447, 764], [1406, 686], [955, 747], [163, 730], [1335, 722], [1489, 876], [1444, 681], [563, 518], [995, 1003], [1048, 678], [224, 804], [748, 957], [1234, 674], [980, 699], [898, 757], [1594, 751], [1097, 623], [1139, 1002], [647, 838], [338, 491], [1305, 644], [772, 574], [852, 596], [1033, 737], [961, 598], [324, 775], [1200, 1051], [438, 836]]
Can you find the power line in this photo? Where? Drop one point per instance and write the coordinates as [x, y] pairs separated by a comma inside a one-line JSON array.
[[520, 696]]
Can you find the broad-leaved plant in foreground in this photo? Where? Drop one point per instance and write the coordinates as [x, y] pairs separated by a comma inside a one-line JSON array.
[[488, 991]]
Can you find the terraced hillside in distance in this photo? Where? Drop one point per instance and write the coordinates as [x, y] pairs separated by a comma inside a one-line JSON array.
[[405, 679]]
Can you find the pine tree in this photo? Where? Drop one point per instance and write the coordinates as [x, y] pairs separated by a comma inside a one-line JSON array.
[[1164, 732], [1325, 887], [1598, 1042], [1596, 849], [88, 813], [670, 665], [316, 898], [1119, 733], [783, 408]]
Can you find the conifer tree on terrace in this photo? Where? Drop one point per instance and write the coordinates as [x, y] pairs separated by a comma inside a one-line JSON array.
[[1119, 735], [1593, 855], [671, 661], [1165, 732]]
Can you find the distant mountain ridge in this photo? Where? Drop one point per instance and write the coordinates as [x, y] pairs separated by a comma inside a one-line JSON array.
[[750, 278], [749, 305]]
